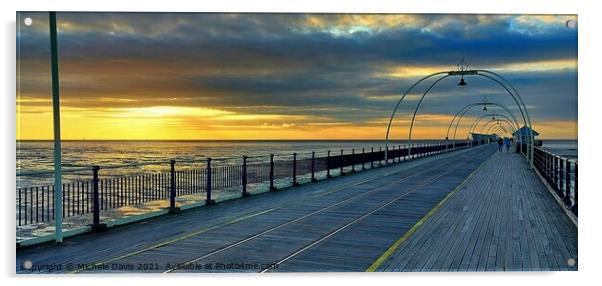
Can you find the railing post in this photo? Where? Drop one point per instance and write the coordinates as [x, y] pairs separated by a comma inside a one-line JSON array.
[[363, 159], [545, 164], [96, 225], [328, 165], [352, 160], [556, 185], [446, 144], [567, 183], [272, 188], [380, 149], [372, 158], [172, 187], [417, 151], [402, 158], [313, 166], [575, 190], [561, 176], [295, 170], [209, 201], [548, 167], [341, 162], [244, 177], [387, 159]]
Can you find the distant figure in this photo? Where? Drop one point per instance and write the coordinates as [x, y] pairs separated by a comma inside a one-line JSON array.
[[500, 144], [507, 143]]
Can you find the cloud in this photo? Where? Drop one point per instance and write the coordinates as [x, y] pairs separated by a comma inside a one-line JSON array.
[[330, 68]]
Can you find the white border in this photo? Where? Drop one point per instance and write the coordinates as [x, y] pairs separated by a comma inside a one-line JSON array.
[[590, 198]]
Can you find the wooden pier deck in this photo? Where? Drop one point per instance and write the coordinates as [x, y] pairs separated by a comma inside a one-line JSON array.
[[342, 224], [502, 219]]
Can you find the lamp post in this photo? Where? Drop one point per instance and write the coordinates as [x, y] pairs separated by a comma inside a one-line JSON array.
[[56, 121]]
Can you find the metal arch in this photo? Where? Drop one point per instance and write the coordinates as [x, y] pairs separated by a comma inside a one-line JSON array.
[[487, 127], [399, 103], [458, 122], [525, 119], [474, 125], [505, 120], [514, 96], [495, 128], [528, 117], [478, 120], [519, 97], [499, 129], [416, 111], [468, 107]]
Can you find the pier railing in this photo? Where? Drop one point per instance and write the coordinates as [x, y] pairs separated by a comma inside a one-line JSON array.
[[177, 178], [561, 174]]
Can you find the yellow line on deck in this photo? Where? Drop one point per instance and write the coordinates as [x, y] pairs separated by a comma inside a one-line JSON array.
[[319, 194], [233, 221], [174, 240], [383, 257]]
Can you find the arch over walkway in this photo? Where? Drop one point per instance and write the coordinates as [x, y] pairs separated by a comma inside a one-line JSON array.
[[475, 123], [460, 114], [489, 126], [497, 78]]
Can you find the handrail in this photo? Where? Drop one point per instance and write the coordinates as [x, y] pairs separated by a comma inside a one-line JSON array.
[[561, 174], [97, 193]]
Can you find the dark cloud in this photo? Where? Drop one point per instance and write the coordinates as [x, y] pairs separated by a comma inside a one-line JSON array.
[[278, 63]]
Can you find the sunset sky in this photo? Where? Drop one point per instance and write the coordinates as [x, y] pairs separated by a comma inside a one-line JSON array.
[[286, 76]]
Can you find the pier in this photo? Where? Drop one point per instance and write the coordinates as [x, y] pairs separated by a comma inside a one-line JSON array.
[[203, 142], [468, 209]]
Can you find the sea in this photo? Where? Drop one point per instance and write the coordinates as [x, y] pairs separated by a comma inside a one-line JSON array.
[[37, 156]]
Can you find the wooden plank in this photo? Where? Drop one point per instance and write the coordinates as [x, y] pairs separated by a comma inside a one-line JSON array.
[[205, 230], [517, 226]]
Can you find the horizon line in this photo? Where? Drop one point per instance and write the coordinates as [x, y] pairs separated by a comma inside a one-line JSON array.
[[248, 140]]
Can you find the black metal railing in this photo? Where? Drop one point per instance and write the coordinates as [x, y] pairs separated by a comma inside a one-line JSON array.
[[561, 174], [185, 177]]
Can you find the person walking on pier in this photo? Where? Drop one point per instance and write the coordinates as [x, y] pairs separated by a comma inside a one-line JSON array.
[[500, 144], [507, 144]]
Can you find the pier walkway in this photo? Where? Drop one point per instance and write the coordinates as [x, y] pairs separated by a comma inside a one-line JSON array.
[[503, 218], [384, 219]]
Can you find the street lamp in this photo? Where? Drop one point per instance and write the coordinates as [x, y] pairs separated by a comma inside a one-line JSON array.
[[485, 104], [462, 67]]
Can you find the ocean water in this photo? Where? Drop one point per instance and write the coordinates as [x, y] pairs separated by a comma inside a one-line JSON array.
[[565, 148], [34, 156]]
